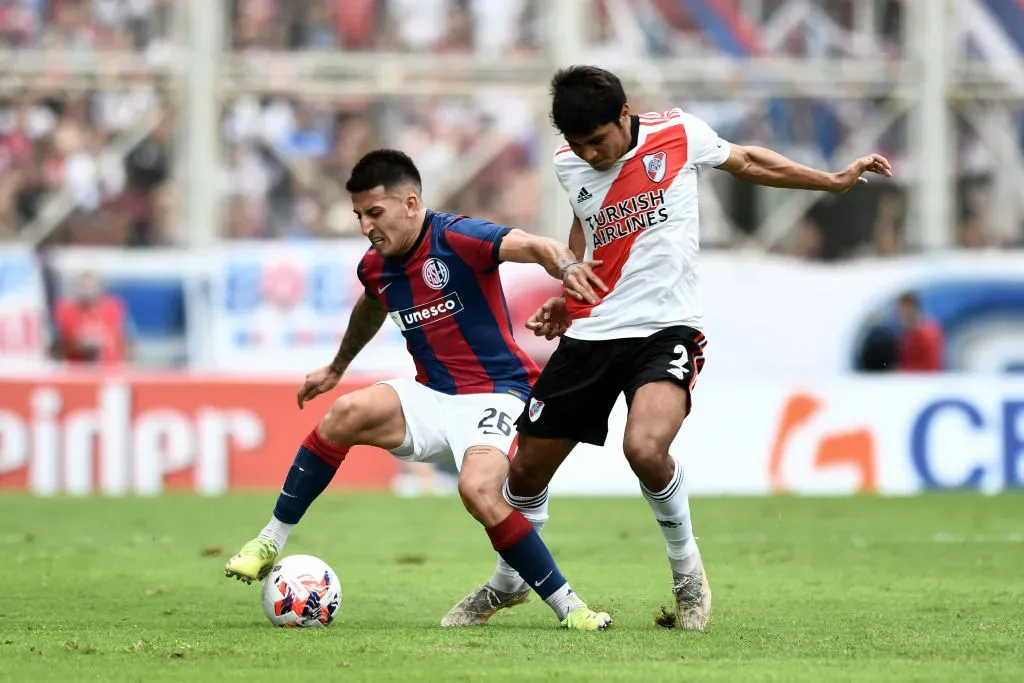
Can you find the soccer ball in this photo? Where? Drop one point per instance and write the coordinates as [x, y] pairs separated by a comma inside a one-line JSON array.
[[301, 591]]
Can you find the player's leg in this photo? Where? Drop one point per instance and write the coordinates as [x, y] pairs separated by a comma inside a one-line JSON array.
[[505, 577], [659, 400], [484, 431], [514, 534], [482, 473], [535, 465], [522, 548], [533, 504], [485, 441], [569, 403], [372, 416]]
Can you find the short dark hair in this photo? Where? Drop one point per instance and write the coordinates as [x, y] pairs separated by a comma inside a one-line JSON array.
[[584, 98], [387, 167]]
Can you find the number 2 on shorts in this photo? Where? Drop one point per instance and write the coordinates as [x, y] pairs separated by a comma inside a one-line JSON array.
[[677, 368]]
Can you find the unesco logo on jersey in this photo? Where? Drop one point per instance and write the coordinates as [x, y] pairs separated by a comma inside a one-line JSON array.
[[428, 313]]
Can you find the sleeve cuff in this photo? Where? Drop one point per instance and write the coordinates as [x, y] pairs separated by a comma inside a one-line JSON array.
[[724, 148], [496, 249]]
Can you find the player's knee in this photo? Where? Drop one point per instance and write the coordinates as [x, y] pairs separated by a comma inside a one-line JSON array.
[[342, 420], [646, 454], [480, 494]]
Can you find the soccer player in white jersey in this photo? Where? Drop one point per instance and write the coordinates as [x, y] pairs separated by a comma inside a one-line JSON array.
[[632, 183]]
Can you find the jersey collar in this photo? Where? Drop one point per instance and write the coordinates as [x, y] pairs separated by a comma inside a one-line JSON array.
[[634, 131], [634, 139]]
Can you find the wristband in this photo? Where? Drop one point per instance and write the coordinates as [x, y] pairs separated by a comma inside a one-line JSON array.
[[568, 268]]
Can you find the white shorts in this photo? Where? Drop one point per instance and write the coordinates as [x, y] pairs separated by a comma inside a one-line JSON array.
[[441, 427]]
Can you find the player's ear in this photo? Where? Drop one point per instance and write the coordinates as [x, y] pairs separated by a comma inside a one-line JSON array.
[[412, 204], [624, 115]]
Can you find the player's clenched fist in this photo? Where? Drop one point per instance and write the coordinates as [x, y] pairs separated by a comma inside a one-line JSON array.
[[580, 280], [318, 382], [551, 320]]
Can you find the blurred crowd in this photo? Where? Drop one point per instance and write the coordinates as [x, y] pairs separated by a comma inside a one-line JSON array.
[[71, 159], [100, 167], [78, 25], [492, 28]]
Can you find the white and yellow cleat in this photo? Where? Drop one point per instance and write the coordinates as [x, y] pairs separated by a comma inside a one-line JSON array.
[[693, 599], [586, 619], [253, 562], [482, 604]]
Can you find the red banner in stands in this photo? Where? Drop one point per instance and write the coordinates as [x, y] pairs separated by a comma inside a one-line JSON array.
[[147, 434]]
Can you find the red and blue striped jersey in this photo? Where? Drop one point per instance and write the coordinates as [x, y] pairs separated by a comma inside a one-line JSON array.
[[446, 298]]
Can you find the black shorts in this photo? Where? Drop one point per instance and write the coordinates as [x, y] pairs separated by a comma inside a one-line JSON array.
[[578, 388]]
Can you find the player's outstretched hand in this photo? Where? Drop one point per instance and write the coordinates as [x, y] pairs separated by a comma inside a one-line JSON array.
[[580, 280], [318, 382], [551, 320], [852, 174]]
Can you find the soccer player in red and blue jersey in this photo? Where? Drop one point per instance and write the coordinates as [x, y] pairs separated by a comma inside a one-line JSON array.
[[436, 276]]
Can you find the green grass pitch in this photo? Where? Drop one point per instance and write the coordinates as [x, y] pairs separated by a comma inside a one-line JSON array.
[[848, 589]]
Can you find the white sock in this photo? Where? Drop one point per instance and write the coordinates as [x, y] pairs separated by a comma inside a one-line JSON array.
[[535, 509], [505, 579], [671, 508], [564, 600], [277, 531]]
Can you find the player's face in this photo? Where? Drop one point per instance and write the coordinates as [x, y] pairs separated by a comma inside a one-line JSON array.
[[605, 144], [390, 219], [907, 313]]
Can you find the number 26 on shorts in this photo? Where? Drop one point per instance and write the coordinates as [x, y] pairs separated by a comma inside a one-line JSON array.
[[494, 422]]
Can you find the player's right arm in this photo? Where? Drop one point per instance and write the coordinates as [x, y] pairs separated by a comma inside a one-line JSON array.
[[367, 316]]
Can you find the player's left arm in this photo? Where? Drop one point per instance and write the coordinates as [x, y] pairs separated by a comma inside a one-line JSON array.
[[558, 260], [765, 167]]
